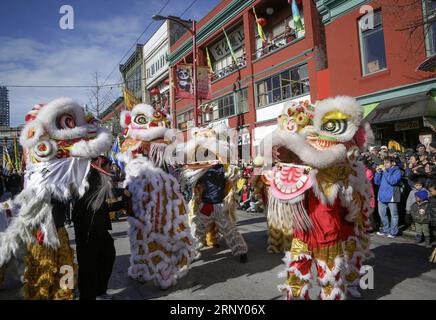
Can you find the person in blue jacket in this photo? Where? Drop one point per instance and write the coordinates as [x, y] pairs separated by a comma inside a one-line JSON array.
[[388, 178]]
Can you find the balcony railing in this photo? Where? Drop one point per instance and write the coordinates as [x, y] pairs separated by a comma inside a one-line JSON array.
[[278, 42], [240, 63]]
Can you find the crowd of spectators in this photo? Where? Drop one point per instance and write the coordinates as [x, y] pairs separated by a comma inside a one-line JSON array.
[[11, 183], [404, 185]]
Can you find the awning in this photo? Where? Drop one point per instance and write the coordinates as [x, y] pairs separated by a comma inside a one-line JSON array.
[[419, 105], [367, 108], [428, 65]]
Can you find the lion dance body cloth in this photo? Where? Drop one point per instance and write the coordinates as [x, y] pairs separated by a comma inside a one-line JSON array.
[[320, 191], [162, 247], [59, 141], [213, 184]]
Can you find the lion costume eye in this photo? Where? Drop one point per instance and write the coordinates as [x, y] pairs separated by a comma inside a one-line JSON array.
[[335, 126], [66, 121], [141, 119]]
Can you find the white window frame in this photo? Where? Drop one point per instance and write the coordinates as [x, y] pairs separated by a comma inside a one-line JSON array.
[[361, 48]]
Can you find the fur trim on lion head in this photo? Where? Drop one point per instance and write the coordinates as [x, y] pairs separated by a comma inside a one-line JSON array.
[[144, 123], [60, 129]]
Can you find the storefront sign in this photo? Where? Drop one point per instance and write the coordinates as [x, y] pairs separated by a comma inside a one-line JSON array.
[[221, 49], [244, 138], [223, 121], [409, 125]]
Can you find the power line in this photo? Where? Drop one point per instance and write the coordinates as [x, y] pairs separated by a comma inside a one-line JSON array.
[[135, 43], [189, 7]]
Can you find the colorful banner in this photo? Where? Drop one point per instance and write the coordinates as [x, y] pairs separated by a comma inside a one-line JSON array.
[[204, 90], [8, 165], [259, 29], [229, 45], [129, 99], [17, 159], [209, 62], [184, 81], [114, 151], [296, 15]]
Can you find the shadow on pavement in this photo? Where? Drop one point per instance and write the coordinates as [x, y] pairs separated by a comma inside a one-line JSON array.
[[216, 265], [395, 262], [256, 219]]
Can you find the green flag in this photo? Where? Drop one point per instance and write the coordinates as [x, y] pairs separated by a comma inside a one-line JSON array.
[[230, 46]]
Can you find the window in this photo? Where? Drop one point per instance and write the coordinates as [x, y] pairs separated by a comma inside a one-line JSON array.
[[221, 108], [134, 81], [278, 35], [372, 45], [430, 28], [285, 85], [242, 100], [185, 120], [225, 65], [221, 58]]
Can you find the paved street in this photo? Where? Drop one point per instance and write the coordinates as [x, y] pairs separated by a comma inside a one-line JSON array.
[[401, 270]]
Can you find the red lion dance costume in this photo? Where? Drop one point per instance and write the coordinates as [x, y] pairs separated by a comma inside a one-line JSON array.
[[323, 193]]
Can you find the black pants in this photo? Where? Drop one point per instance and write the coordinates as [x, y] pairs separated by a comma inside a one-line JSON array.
[[95, 258]]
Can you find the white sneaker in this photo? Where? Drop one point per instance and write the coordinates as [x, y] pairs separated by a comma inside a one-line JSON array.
[[379, 233], [391, 236]]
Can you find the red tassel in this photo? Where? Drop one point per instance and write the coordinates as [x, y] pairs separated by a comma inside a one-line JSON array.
[[40, 236]]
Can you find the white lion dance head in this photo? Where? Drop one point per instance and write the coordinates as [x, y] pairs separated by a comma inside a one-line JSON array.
[[144, 132], [209, 144], [59, 141], [60, 129]]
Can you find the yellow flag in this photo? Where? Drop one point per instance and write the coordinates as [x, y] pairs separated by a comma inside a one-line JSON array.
[[9, 164], [17, 158], [259, 28], [209, 63], [129, 99]]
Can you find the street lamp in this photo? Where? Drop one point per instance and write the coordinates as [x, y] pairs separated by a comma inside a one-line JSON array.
[[192, 30]]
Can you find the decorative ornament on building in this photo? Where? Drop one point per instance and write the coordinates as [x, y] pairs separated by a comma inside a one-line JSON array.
[[262, 21]]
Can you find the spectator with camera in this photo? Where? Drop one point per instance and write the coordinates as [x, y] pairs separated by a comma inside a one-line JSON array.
[[388, 178]]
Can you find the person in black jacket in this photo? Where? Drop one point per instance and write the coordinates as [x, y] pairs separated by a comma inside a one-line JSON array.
[[95, 246]]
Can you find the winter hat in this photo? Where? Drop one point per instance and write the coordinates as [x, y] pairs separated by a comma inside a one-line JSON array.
[[422, 194]]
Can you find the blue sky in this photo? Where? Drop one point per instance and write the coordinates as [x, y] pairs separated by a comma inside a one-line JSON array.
[[34, 50]]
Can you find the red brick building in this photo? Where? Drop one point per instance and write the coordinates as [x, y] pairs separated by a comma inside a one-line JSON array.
[[326, 58], [378, 65]]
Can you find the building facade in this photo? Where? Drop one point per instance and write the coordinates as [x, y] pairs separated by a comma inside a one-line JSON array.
[[132, 72], [373, 54], [331, 55], [110, 118], [250, 89], [4, 107], [155, 63]]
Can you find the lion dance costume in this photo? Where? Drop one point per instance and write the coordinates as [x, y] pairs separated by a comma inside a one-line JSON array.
[[59, 141], [322, 195], [162, 246], [213, 183]]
